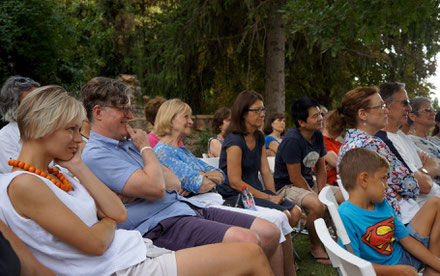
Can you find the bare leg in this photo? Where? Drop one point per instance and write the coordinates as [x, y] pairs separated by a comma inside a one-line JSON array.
[[293, 215], [223, 259], [276, 262], [316, 210], [289, 265], [427, 223], [269, 235]]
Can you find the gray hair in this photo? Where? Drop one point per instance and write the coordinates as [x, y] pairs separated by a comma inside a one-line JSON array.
[[387, 90], [10, 96], [415, 104]]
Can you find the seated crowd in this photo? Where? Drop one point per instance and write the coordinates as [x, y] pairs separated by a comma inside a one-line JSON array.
[[85, 193]]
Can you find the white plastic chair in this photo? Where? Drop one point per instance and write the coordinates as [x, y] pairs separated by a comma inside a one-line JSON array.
[[343, 261], [326, 197], [213, 161], [343, 190], [271, 160]]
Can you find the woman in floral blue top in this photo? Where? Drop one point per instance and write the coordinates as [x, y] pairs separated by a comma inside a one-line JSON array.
[[364, 113]]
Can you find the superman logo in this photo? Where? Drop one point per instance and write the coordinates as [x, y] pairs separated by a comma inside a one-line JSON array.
[[380, 236]]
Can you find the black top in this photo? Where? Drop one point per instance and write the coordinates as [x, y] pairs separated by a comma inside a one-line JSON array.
[[9, 262], [250, 163], [296, 149]]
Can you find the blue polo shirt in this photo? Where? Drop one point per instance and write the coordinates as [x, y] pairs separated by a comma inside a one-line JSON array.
[[113, 162]]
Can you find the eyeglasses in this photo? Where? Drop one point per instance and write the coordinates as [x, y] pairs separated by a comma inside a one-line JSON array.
[[405, 103], [428, 110], [258, 110], [22, 80], [381, 106], [124, 109]]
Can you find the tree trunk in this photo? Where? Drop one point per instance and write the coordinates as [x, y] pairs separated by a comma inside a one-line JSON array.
[[274, 59]]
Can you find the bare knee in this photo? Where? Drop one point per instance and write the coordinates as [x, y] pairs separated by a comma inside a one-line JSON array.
[[268, 232], [314, 205], [238, 234]]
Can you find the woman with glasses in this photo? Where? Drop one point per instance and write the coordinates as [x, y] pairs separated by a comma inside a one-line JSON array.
[[243, 156], [364, 113], [12, 93], [421, 119]]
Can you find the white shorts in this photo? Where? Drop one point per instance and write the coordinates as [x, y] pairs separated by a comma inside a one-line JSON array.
[[163, 265]]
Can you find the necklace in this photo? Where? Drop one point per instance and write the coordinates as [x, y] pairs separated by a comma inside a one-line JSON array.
[[62, 183]]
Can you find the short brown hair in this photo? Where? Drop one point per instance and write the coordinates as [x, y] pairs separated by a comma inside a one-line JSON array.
[[268, 125], [104, 91], [151, 108], [359, 160], [220, 115]]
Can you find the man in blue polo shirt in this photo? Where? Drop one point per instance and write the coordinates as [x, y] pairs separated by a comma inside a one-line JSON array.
[[130, 168], [301, 150]]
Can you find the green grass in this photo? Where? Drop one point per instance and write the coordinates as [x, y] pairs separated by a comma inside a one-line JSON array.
[[308, 266]]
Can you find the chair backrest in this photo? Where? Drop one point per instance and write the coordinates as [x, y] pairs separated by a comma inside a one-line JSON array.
[[326, 197], [345, 262], [343, 190], [271, 160], [213, 161]]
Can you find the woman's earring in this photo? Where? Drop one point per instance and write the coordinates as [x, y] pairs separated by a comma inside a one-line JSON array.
[[364, 123]]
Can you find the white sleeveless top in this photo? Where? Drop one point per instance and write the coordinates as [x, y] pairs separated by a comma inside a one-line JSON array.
[[126, 249]]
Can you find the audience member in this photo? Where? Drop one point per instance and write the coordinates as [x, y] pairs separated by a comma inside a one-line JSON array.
[[376, 233], [331, 131], [422, 119], [364, 113], [150, 109], [173, 123], [130, 168], [396, 99], [222, 118], [435, 134], [274, 128], [12, 93], [243, 156], [301, 150]]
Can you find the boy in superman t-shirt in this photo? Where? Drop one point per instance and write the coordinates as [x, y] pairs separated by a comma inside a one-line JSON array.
[[375, 232]]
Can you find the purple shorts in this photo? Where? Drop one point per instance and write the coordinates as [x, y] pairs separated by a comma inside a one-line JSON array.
[[208, 226]]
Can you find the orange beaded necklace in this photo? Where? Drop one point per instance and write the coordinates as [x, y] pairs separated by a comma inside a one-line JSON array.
[[62, 183]]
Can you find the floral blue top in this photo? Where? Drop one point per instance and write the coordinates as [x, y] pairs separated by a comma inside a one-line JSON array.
[[400, 180], [184, 164]]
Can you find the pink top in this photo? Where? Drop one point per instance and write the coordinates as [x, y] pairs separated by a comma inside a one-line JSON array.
[[154, 140]]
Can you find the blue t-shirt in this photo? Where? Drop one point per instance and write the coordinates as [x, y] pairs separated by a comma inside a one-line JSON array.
[[250, 163], [269, 139], [374, 235], [113, 162], [184, 164], [296, 149]]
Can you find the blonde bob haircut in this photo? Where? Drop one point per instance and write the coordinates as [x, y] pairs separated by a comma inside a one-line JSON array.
[[166, 113], [47, 109]]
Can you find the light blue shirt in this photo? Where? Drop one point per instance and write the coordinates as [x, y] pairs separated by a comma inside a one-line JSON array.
[[113, 162], [375, 234], [184, 164]]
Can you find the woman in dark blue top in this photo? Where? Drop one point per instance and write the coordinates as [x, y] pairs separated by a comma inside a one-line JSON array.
[[243, 155]]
